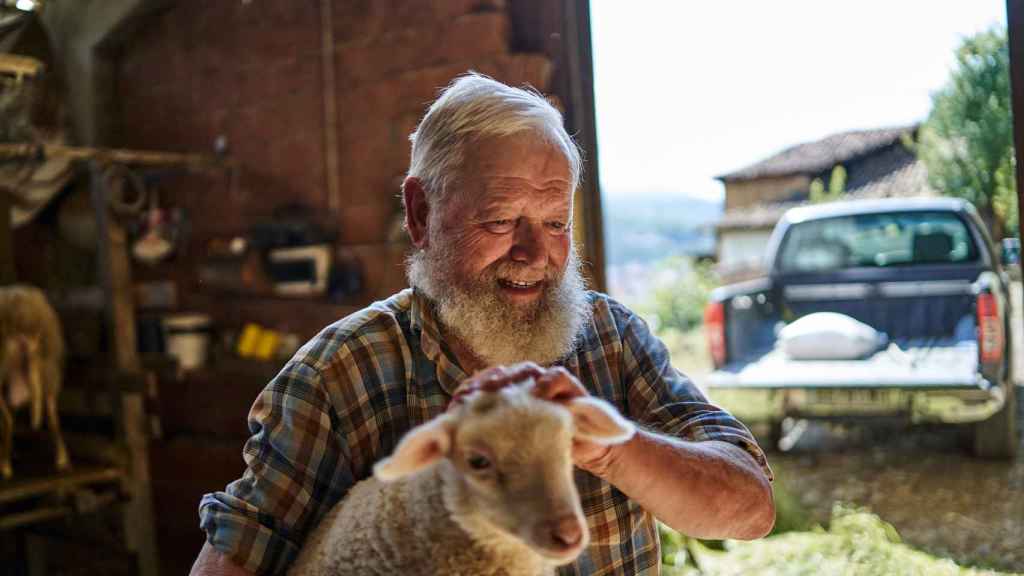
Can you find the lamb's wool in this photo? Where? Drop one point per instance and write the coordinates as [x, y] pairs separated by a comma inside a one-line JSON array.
[[405, 527], [427, 513]]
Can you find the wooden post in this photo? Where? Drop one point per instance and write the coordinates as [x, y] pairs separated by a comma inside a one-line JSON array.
[[330, 108], [114, 275], [6, 241], [578, 70], [561, 31], [1015, 31], [35, 555]]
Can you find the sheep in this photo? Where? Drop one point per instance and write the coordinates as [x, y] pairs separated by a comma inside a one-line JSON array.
[[484, 489], [31, 366]]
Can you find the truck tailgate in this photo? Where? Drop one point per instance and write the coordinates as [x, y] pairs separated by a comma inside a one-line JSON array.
[[913, 367]]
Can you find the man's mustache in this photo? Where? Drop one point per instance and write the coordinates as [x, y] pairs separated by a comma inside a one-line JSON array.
[[505, 269]]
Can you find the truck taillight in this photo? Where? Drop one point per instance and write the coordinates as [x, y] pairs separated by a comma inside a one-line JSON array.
[[714, 330], [990, 329]]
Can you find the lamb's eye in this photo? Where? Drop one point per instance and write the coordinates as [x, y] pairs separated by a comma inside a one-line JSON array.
[[478, 462]]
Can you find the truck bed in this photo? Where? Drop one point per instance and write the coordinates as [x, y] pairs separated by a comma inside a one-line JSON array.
[[920, 365]]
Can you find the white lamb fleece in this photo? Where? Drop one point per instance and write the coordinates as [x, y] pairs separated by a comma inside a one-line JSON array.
[[404, 528], [435, 515]]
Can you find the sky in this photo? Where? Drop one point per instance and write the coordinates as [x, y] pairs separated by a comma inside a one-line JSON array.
[[686, 91]]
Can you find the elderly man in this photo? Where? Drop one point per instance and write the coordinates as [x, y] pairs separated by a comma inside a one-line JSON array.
[[495, 282]]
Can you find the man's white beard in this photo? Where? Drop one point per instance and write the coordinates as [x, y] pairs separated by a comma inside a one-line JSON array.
[[493, 328]]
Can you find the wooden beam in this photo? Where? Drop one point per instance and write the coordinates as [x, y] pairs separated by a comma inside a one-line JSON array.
[[20, 66], [1015, 31], [22, 489], [198, 162], [12, 521]]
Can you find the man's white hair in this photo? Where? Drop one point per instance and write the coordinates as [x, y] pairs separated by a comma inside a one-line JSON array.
[[472, 107]]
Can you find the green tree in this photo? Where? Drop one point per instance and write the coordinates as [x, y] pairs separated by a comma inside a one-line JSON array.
[[679, 304], [836, 186], [967, 141]]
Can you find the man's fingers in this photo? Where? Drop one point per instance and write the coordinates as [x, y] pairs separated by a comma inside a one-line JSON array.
[[524, 370], [554, 384], [497, 377], [521, 370], [559, 385]]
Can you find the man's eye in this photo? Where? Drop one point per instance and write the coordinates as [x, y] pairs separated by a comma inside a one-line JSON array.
[[500, 226], [478, 462], [556, 226]]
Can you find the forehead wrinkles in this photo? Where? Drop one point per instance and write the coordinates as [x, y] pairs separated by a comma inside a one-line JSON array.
[[503, 199], [523, 157], [510, 193]]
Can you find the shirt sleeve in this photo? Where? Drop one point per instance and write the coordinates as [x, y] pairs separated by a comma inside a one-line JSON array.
[[660, 397], [297, 467]]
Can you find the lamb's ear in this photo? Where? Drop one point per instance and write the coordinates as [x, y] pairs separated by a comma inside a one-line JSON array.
[[421, 447], [598, 421]]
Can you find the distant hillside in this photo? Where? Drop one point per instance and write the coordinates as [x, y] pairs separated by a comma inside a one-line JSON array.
[[649, 227]]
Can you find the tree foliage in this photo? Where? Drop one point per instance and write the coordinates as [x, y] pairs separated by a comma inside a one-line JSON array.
[[836, 186], [967, 141], [677, 300]]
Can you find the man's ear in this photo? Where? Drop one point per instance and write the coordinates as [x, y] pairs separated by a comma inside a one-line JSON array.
[[421, 447], [417, 211], [599, 422]]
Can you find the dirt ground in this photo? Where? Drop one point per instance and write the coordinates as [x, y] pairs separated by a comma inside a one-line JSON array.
[[920, 480]]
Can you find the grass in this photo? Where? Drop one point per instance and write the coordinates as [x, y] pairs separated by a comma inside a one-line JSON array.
[[856, 543], [689, 352]]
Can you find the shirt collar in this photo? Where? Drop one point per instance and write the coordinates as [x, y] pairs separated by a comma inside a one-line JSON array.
[[424, 319]]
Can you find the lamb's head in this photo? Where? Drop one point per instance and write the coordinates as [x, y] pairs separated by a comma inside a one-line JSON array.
[[506, 457]]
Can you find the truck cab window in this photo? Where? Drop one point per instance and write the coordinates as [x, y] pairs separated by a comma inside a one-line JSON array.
[[877, 240]]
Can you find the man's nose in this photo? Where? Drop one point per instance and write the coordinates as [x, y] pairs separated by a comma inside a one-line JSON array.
[[529, 244]]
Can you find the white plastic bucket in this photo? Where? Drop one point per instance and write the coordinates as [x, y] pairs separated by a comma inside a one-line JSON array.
[[187, 338]]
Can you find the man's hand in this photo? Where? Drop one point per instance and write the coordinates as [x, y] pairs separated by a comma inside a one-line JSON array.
[[555, 384], [495, 378], [711, 489], [212, 563], [559, 385]]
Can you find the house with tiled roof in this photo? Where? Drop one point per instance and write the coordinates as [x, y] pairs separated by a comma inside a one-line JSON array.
[[878, 164]]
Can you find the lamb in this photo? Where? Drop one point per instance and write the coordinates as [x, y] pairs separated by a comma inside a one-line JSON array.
[[484, 489], [31, 366]]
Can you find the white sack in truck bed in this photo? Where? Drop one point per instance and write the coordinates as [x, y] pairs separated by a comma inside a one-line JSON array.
[[829, 336]]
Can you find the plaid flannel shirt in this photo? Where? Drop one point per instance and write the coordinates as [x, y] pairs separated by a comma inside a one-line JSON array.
[[350, 393]]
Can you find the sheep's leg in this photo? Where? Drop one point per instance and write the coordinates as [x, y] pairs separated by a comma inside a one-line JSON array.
[[63, 462], [35, 381], [6, 440]]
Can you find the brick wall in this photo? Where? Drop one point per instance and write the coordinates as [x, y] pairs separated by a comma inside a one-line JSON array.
[[251, 70]]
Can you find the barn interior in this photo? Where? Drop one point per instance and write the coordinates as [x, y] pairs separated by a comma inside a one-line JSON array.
[[198, 188]]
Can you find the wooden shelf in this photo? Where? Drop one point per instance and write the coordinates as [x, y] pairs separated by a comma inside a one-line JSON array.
[[11, 521], [22, 489], [74, 493], [199, 162]]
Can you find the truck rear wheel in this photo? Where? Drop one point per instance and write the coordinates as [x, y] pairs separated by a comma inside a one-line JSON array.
[[997, 437]]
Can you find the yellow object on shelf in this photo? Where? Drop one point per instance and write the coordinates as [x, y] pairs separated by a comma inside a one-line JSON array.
[[258, 342]]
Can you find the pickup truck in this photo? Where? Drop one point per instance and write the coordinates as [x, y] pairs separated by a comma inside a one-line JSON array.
[[924, 272]]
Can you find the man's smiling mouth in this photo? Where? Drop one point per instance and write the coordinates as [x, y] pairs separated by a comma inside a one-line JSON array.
[[518, 284]]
